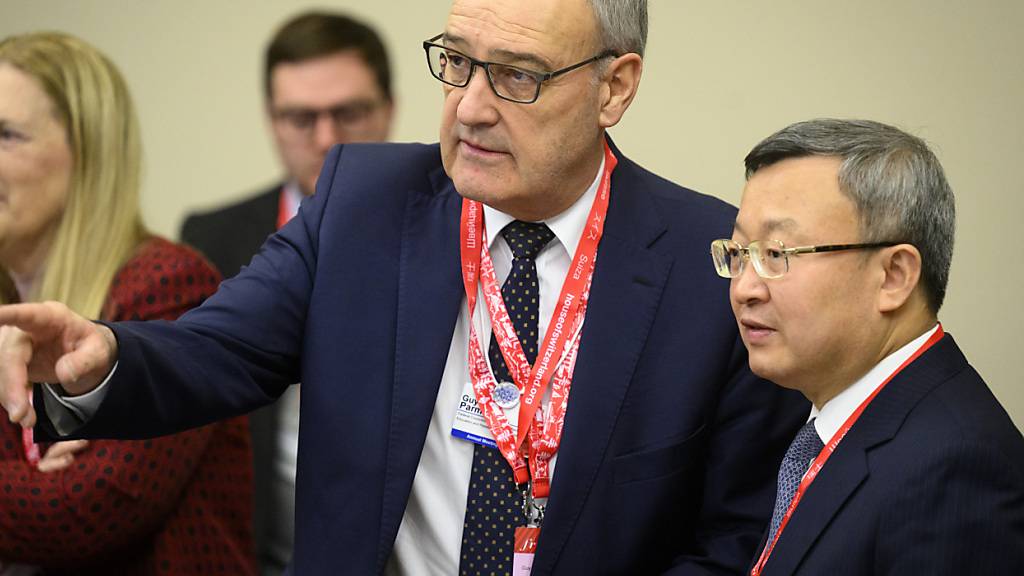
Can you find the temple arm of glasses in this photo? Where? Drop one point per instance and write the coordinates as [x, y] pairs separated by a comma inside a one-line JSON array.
[[837, 247]]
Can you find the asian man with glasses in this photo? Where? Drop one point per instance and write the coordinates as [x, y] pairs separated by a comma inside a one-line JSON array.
[[907, 463]]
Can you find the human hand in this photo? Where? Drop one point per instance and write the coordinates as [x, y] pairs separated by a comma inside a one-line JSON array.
[[49, 343], [60, 455]]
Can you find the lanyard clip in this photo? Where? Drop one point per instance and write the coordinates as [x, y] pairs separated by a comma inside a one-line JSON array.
[[533, 511]]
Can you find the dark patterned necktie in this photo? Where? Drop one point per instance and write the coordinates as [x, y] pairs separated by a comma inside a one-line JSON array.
[[493, 505], [795, 463]]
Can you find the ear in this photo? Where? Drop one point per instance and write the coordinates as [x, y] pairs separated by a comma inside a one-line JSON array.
[[619, 85], [901, 265]]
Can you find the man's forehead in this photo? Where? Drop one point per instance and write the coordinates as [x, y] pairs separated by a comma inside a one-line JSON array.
[[325, 80], [541, 30], [763, 224]]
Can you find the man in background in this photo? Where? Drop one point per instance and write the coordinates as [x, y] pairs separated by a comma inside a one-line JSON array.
[[839, 262], [326, 81]]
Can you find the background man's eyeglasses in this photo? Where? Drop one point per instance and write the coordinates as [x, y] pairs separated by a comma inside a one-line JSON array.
[[508, 82], [303, 120], [770, 257]]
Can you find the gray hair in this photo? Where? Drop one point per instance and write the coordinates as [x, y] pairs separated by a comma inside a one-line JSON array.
[[623, 24], [894, 180]]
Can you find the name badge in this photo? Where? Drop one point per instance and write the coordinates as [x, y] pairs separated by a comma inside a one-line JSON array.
[[469, 421]]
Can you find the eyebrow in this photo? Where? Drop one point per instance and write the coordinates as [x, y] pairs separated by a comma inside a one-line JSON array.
[[509, 57], [770, 226]]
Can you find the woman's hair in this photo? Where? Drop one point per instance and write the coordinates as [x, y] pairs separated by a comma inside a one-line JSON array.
[[101, 225]]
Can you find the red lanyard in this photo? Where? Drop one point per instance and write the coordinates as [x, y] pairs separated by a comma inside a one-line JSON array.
[[28, 443], [826, 452], [284, 213], [557, 354]]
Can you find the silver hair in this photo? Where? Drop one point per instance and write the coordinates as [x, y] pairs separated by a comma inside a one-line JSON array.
[[623, 25], [894, 180]]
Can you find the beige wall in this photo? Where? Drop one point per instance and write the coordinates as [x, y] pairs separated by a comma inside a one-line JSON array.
[[720, 75]]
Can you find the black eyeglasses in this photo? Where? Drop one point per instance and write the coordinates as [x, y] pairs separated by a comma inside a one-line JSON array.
[[343, 116], [508, 82]]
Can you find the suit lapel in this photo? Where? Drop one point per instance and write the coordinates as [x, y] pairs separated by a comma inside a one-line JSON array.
[[848, 467], [626, 289], [429, 295], [842, 474]]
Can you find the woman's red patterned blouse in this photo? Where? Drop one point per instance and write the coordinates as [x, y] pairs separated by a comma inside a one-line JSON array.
[[179, 504]]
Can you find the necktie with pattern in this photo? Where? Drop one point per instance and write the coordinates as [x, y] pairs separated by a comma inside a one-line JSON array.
[[493, 505], [798, 458]]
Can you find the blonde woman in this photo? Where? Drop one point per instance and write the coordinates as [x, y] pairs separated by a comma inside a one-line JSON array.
[[70, 231]]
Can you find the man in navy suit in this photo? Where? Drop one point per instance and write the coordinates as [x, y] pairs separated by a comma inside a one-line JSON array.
[[663, 458], [839, 261]]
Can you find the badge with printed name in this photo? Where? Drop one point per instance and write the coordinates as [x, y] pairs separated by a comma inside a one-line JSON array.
[[469, 421], [526, 547]]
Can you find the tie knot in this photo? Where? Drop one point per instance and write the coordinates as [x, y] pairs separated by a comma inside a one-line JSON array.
[[526, 239], [806, 445]]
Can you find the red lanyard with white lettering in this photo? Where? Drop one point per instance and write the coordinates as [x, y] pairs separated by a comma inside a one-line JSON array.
[[562, 337], [826, 452]]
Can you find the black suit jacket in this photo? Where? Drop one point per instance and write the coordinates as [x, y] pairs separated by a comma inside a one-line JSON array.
[[930, 480], [229, 237], [670, 445]]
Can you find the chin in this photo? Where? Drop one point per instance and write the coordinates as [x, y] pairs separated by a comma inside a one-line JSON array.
[[767, 368]]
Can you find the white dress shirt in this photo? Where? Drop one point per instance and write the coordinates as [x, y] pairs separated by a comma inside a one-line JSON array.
[[833, 414]]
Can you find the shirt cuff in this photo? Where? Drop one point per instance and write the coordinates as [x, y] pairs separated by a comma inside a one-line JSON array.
[[68, 413]]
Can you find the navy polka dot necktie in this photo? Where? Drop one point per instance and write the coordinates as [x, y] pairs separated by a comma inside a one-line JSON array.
[[493, 505], [795, 463]]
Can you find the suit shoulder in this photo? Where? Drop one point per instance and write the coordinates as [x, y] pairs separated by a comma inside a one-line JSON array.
[[959, 422], [675, 198], [216, 218], [382, 166]]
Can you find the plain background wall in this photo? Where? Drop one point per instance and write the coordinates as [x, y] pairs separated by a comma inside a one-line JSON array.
[[719, 76]]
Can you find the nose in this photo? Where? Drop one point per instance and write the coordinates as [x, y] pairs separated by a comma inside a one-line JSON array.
[[748, 287], [325, 133], [477, 101]]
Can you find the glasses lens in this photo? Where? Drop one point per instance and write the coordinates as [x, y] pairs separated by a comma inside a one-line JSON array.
[[513, 83], [299, 120], [770, 257], [728, 258], [352, 114], [449, 66]]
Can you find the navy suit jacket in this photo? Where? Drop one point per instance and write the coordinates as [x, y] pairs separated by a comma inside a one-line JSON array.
[[670, 445], [930, 480]]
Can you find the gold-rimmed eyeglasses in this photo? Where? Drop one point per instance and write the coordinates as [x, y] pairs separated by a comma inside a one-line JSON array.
[[510, 83], [770, 257]]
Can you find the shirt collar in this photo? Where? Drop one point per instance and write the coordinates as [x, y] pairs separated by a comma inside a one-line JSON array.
[[568, 226], [293, 197], [833, 414]]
